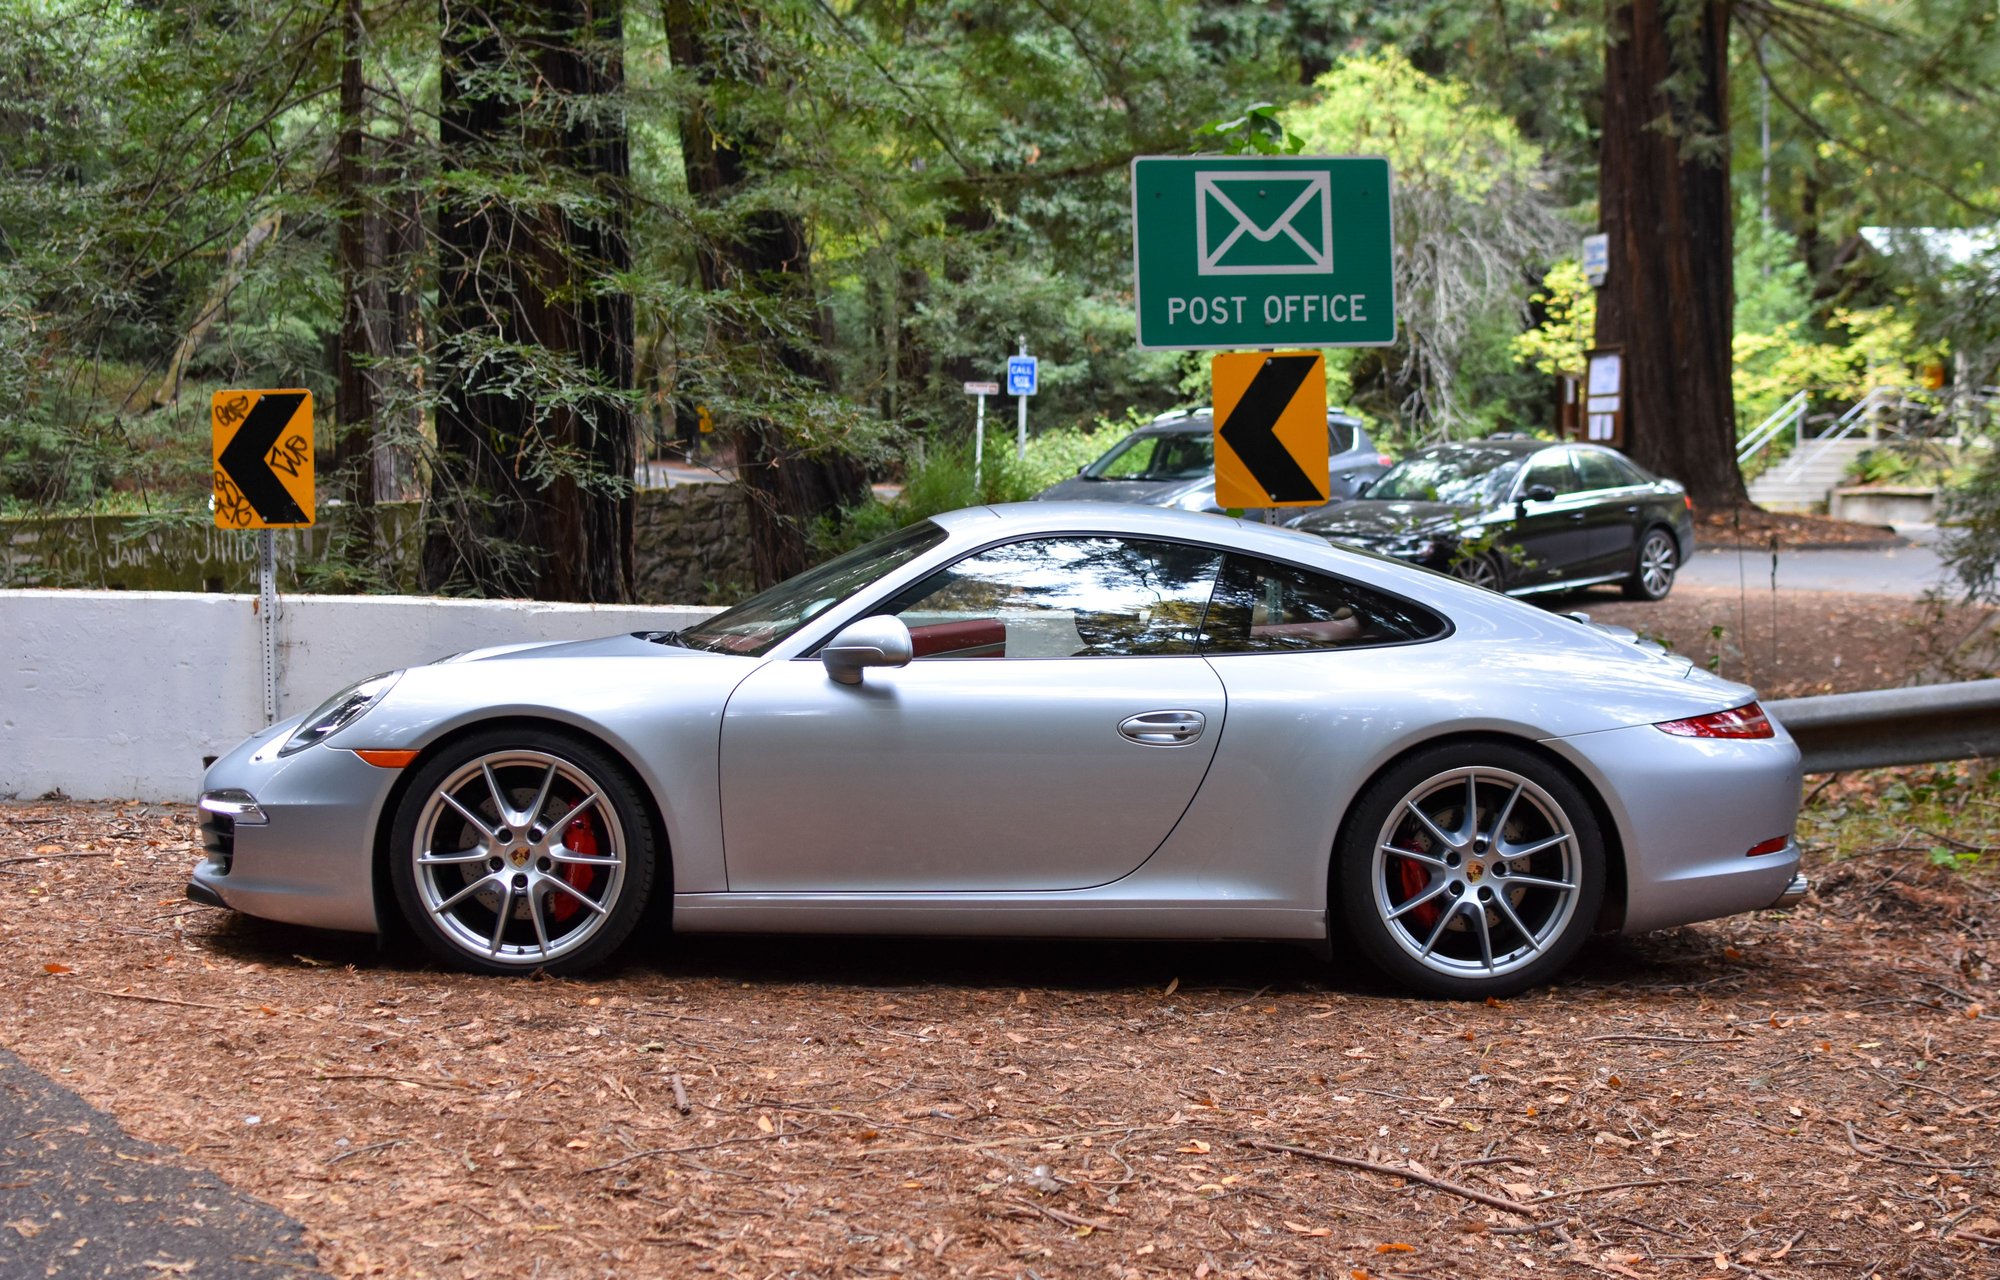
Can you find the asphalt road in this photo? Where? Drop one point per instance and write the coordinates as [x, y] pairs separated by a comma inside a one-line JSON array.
[[1895, 571], [80, 1197]]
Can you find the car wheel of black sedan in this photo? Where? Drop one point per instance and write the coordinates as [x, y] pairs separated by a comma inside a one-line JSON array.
[[1481, 569], [1471, 870], [518, 850], [1653, 570]]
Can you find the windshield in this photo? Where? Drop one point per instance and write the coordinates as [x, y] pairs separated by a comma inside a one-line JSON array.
[[1462, 475], [1179, 456], [760, 622]]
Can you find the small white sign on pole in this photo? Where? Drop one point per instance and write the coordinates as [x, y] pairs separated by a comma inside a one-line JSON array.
[[982, 390]]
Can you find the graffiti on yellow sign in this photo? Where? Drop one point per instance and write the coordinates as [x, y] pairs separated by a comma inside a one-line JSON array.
[[263, 451]]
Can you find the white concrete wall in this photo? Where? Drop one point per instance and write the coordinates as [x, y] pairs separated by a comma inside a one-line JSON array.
[[119, 694]]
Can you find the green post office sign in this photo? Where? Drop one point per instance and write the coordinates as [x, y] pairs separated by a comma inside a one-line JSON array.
[[1231, 252]]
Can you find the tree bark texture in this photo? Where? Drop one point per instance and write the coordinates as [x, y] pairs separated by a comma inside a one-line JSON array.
[[530, 492], [764, 252], [1669, 299]]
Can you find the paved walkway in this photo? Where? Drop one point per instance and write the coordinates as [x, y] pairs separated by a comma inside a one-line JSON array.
[[1895, 571], [80, 1197]]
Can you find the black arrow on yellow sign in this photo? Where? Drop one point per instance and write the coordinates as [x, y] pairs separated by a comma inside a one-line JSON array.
[[243, 458], [1250, 429]]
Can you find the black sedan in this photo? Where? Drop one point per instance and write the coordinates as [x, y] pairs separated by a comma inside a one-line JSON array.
[[1522, 516]]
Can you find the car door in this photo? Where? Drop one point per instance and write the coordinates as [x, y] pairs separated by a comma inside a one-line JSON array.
[[1618, 497], [1053, 726], [1552, 534]]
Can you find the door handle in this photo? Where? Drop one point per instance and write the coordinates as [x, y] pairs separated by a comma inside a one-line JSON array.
[[1163, 728], [1577, 515]]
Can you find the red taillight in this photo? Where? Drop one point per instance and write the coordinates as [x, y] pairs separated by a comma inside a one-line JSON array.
[[1776, 844], [1746, 721], [1385, 460], [1690, 502]]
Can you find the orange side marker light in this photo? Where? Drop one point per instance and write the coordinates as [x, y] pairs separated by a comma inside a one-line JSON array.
[[387, 759]]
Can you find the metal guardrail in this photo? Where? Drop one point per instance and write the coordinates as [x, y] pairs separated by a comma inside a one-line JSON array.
[[1880, 727]]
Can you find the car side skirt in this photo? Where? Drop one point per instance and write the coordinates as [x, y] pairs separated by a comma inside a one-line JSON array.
[[1054, 915]]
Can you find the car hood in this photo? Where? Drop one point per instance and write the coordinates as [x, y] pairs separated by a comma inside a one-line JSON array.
[[1366, 519], [1145, 493], [628, 645]]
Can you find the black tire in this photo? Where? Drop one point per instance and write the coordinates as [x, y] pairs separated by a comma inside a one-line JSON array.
[[1481, 569], [1655, 562], [522, 850], [1422, 894]]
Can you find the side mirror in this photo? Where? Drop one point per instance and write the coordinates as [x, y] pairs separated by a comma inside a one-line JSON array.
[[870, 642], [1539, 493], [1361, 490], [1085, 467]]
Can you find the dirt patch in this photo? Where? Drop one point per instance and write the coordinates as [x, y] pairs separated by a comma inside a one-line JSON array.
[[1755, 528], [1769, 1096], [1794, 643]]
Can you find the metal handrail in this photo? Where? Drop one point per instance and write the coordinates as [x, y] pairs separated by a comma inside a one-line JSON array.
[[1789, 414], [1866, 409]]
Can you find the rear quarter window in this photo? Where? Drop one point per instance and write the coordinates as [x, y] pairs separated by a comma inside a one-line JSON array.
[[1265, 606]]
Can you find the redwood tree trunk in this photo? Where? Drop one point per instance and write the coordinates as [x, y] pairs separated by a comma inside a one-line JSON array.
[[1665, 202], [764, 252], [530, 494]]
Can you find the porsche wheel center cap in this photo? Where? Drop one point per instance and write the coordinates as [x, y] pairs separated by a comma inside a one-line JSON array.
[[1473, 871], [520, 857]]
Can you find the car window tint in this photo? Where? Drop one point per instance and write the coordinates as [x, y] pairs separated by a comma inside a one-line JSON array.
[[1342, 436], [1551, 469], [1262, 606], [1062, 598], [1603, 471]]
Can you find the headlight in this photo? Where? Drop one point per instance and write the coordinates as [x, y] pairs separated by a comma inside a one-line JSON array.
[[1409, 548], [339, 711]]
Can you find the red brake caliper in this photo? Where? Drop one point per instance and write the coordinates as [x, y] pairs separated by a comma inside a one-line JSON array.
[[1413, 880], [580, 838]]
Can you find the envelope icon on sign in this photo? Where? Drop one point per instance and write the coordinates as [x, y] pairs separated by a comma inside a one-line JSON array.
[[1266, 222]]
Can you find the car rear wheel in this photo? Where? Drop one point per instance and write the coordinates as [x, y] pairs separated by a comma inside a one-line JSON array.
[[522, 850], [1471, 870], [1653, 569], [1479, 568]]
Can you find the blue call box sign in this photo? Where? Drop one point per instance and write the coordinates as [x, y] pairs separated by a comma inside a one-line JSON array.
[[1230, 252], [1021, 373]]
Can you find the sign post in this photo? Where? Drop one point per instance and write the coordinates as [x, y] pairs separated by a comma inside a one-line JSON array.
[[982, 390], [1023, 371], [263, 467]]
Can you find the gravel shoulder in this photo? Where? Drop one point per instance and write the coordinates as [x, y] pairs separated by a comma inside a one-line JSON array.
[[1769, 1095]]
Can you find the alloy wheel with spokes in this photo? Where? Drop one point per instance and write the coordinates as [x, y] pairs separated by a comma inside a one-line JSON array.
[[1653, 572], [1471, 871], [1478, 568], [521, 852]]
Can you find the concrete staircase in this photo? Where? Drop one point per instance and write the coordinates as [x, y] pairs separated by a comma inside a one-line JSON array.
[[1802, 481]]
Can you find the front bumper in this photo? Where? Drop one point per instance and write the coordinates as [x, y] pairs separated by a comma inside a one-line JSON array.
[[310, 861]]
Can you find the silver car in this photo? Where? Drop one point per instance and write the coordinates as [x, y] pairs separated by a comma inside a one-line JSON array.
[[1050, 719], [1170, 462]]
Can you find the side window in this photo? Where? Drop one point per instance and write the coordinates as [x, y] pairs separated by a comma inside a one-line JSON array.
[[1341, 435], [1603, 471], [1262, 606], [1062, 598], [1136, 460], [1551, 469]]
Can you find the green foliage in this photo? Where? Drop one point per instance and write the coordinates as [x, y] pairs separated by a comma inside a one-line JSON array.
[[1258, 131], [1569, 326], [1474, 216]]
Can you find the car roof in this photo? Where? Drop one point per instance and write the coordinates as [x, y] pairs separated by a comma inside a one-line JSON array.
[[1201, 420]]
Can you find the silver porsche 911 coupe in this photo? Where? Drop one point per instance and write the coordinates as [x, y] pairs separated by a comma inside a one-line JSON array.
[[1051, 719]]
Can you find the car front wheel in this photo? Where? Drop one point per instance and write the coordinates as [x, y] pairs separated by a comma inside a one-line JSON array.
[[521, 850], [1653, 569], [1471, 870], [1478, 568]]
